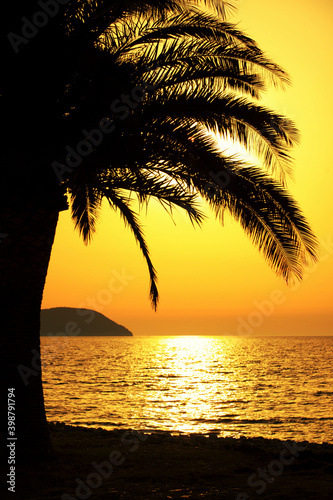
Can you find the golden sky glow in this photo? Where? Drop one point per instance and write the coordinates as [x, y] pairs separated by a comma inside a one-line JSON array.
[[213, 280]]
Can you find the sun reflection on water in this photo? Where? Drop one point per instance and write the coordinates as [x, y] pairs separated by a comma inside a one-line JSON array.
[[192, 384], [196, 366]]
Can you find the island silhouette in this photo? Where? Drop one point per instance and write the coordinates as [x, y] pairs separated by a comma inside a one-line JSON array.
[[68, 321]]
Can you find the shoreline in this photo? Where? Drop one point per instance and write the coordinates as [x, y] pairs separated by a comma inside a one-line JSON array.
[[185, 433], [126, 464]]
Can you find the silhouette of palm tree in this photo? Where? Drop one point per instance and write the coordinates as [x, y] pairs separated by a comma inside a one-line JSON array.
[[120, 102]]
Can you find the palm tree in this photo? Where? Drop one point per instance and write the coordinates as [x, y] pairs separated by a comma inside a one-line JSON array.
[[121, 104]]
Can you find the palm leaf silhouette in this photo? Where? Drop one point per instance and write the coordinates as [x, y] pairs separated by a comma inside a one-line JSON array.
[[203, 74]]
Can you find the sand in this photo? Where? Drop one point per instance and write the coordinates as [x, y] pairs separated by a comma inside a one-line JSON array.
[[119, 464]]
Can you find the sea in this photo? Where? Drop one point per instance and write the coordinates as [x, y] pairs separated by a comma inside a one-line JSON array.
[[273, 387]]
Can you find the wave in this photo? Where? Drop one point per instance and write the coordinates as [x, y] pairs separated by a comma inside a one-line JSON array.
[[235, 419]]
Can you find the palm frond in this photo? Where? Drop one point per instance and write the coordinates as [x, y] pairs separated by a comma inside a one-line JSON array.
[[197, 66], [222, 8], [263, 207], [85, 206], [148, 184], [194, 26], [119, 202], [90, 19], [288, 209], [265, 134]]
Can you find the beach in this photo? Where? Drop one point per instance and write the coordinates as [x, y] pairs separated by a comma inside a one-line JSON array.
[[125, 464]]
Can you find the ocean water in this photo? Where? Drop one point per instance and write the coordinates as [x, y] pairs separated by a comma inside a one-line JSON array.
[[274, 387]]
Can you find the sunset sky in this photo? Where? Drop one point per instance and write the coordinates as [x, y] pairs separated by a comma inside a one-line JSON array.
[[213, 280]]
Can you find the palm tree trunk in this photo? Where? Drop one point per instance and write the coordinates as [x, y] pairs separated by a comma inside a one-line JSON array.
[[27, 232]]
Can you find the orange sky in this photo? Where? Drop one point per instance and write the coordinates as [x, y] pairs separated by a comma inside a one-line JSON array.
[[212, 280]]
